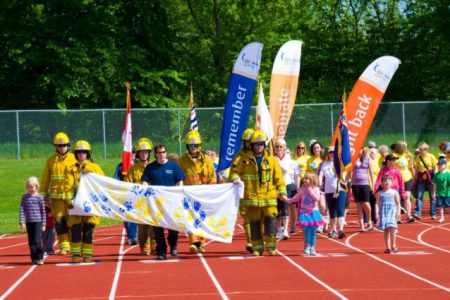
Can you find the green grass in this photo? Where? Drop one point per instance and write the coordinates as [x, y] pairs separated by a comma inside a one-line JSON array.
[[14, 173]]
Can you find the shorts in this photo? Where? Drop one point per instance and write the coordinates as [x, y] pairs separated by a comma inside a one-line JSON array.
[[408, 185], [283, 207], [361, 193], [442, 202]]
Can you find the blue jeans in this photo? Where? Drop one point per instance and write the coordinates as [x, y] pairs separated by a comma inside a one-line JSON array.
[[421, 188], [131, 229]]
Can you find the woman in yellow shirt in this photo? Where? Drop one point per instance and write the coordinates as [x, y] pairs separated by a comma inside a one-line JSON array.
[[314, 161], [405, 165], [301, 156], [425, 167]]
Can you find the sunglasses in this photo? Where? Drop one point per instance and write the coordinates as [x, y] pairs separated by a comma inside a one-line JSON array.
[[81, 151], [193, 146], [260, 144], [62, 145], [301, 148]]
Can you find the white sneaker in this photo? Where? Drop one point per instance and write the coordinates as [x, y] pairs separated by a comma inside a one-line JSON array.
[[319, 229], [280, 233], [285, 234], [306, 250], [441, 219]]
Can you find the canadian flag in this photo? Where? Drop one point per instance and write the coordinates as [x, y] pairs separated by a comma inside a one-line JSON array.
[[126, 136]]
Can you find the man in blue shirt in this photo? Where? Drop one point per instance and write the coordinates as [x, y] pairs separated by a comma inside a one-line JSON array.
[[166, 173]]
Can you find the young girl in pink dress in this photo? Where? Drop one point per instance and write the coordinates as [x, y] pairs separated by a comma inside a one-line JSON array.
[[310, 219]]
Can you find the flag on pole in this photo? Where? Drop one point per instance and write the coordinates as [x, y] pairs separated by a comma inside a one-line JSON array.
[[342, 157], [364, 99], [194, 123], [126, 135], [283, 85], [241, 89], [263, 120]]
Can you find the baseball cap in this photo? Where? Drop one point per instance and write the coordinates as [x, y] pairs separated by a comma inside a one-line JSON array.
[[442, 162]]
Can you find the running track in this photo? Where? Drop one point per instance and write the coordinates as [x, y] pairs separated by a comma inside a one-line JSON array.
[[352, 268]]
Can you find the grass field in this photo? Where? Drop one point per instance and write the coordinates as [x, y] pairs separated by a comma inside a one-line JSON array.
[[14, 173]]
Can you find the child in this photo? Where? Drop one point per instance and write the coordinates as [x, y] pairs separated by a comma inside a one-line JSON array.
[[48, 236], [441, 188], [32, 217], [310, 219], [388, 201]]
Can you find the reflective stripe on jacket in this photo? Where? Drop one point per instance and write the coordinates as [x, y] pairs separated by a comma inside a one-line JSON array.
[[53, 176], [198, 171], [263, 184]]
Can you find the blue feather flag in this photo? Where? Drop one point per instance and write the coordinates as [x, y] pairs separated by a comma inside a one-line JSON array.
[[342, 156]]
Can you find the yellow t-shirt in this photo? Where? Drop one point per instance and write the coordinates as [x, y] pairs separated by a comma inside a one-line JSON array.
[[313, 163], [302, 163], [429, 159], [380, 160], [403, 163]]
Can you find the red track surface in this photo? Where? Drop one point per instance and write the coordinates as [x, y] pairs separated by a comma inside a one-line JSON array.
[[352, 268]]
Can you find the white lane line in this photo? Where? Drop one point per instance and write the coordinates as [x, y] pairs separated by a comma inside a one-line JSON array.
[[12, 246], [13, 287], [3, 236], [419, 238], [112, 293], [209, 271], [434, 226], [347, 243], [30, 270], [419, 243], [335, 292], [213, 278]]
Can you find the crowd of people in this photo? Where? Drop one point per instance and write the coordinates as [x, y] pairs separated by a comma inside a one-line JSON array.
[[283, 192]]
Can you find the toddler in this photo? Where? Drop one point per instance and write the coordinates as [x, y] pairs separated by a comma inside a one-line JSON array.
[[32, 217], [441, 188], [310, 219], [388, 201]]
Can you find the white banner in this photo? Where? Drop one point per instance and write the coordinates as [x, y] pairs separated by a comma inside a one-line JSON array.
[[204, 210]]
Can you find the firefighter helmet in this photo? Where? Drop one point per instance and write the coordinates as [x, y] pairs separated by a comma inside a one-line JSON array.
[[144, 144], [82, 145], [247, 134], [258, 137], [193, 138], [61, 138]]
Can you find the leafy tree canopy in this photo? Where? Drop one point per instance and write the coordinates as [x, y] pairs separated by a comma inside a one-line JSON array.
[[79, 53]]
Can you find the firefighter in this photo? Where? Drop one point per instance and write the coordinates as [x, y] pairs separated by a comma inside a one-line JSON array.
[[53, 190], [81, 227], [246, 148], [146, 237], [264, 183], [198, 169]]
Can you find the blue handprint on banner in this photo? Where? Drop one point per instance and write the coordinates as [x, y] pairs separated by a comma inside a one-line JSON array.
[[195, 208], [186, 203], [202, 215], [149, 192], [87, 206], [94, 197]]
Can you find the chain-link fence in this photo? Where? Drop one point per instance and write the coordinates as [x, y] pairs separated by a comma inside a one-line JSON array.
[[29, 134]]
